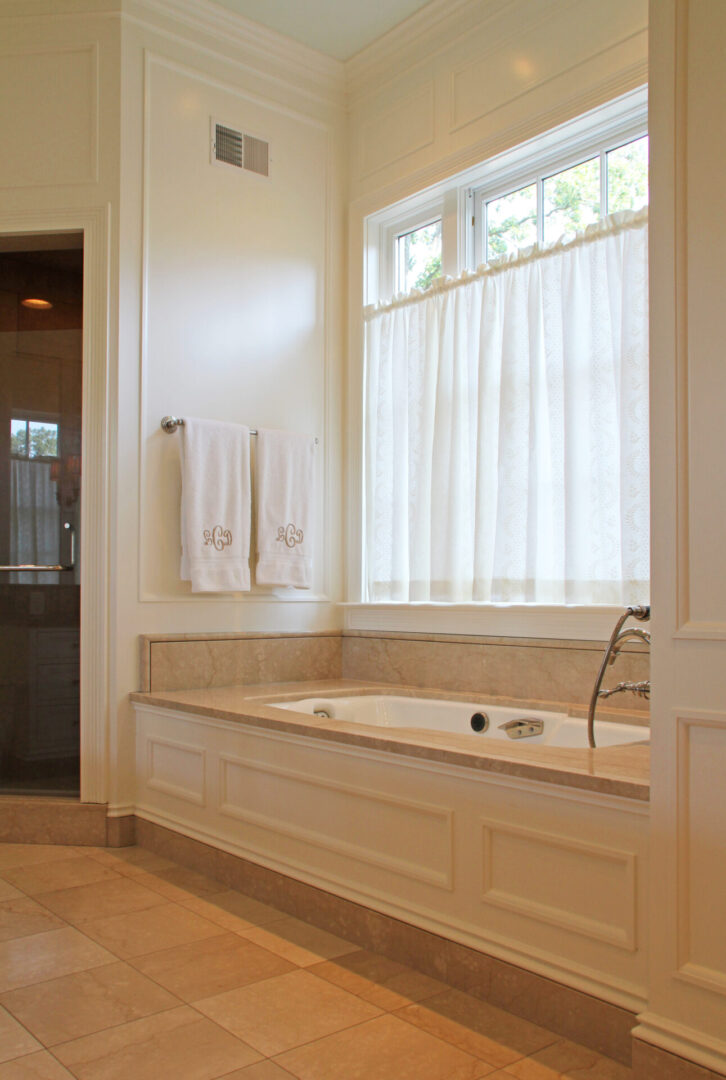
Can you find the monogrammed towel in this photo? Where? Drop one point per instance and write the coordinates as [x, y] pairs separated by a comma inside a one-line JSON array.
[[285, 508], [215, 508]]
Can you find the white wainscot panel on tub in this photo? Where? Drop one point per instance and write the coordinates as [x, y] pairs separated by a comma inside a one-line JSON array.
[[585, 888], [176, 769], [380, 830]]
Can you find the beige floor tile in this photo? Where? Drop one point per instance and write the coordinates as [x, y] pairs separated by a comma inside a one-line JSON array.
[[41, 1066], [263, 1070], [252, 912], [283, 1012], [568, 1060], [177, 879], [298, 941], [8, 891], [75, 1005], [57, 874], [178, 1045], [478, 1028], [14, 1039], [29, 960], [383, 1049], [376, 979], [206, 907], [212, 966], [29, 854], [23, 916], [117, 896], [156, 928], [130, 860]]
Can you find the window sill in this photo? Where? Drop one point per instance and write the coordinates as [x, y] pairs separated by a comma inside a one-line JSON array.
[[572, 623]]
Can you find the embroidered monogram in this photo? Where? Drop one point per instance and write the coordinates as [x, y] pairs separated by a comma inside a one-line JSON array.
[[218, 538], [290, 535]]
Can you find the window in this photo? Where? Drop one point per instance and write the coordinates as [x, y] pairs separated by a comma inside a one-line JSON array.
[[506, 410], [33, 438], [418, 257]]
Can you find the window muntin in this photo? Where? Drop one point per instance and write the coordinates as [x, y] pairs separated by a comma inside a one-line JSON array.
[[418, 256]]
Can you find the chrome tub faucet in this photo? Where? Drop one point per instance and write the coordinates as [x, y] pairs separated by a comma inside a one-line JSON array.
[[618, 638]]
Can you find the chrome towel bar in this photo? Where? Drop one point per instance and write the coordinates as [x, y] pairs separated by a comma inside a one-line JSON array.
[[170, 423]]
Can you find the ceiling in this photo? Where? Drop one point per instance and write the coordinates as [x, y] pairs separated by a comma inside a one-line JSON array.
[[339, 28]]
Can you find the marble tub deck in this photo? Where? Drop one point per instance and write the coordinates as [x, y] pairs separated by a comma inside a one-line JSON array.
[[615, 770]]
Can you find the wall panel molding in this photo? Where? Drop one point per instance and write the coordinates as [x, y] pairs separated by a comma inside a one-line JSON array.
[[397, 130], [698, 847], [617, 870], [365, 805], [173, 767], [148, 425], [62, 128]]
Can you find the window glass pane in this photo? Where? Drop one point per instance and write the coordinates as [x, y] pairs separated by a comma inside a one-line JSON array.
[[43, 439], [628, 176], [418, 257], [19, 438], [512, 222], [571, 200]]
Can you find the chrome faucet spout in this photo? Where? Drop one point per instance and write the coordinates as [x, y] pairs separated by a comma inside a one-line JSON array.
[[618, 638]]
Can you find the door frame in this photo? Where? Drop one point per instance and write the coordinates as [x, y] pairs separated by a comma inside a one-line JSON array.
[[94, 224]]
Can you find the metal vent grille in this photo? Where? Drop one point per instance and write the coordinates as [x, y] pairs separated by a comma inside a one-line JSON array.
[[256, 155], [228, 146], [232, 147]]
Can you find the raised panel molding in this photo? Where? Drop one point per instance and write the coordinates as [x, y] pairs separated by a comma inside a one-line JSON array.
[[701, 765], [50, 129], [176, 769], [258, 595], [397, 129], [544, 895], [338, 801]]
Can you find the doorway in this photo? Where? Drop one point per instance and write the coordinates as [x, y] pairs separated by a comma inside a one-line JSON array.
[[41, 392]]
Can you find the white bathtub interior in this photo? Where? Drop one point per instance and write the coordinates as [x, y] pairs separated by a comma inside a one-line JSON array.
[[429, 714]]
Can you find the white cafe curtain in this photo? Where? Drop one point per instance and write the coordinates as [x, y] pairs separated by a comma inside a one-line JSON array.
[[507, 429], [34, 520]]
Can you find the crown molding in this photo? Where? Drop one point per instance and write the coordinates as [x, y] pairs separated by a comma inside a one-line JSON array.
[[271, 54], [206, 24]]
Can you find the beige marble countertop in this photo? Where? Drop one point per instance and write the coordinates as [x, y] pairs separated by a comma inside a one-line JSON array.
[[614, 770]]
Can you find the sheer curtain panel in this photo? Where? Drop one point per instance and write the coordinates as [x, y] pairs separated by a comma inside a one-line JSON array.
[[506, 429]]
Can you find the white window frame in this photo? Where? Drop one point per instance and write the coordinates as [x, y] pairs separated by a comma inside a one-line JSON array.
[[459, 202]]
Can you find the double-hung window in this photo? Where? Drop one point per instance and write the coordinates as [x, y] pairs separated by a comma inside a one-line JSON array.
[[506, 379]]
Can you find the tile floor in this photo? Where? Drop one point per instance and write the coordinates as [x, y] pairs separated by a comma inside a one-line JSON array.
[[120, 965]]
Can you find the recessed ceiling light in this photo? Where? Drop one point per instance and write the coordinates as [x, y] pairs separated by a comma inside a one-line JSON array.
[[37, 303]]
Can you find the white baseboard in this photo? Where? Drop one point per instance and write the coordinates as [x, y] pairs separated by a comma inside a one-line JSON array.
[[683, 1041]]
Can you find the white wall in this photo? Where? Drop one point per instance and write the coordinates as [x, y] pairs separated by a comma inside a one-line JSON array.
[[224, 298], [687, 1013]]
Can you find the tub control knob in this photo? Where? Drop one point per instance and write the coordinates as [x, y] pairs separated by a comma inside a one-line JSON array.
[[479, 721]]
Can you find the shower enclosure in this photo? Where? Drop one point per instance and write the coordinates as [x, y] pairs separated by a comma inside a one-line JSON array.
[[41, 320]]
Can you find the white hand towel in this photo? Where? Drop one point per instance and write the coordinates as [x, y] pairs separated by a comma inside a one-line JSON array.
[[285, 508], [216, 501]]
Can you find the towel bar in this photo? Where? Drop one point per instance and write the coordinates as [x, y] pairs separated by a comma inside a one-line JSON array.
[[170, 423]]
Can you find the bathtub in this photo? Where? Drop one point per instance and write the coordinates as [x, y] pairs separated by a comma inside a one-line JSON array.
[[533, 851], [463, 717]]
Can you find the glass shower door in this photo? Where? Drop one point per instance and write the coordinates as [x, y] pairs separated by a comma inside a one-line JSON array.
[[41, 288]]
